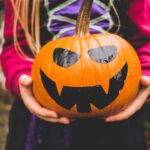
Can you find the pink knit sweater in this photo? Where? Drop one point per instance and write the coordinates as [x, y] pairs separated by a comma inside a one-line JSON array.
[[138, 12]]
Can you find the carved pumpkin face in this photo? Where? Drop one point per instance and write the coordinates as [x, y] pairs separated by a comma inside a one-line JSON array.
[[86, 76]]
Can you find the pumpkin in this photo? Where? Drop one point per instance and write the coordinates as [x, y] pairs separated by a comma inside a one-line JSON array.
[[86, 75]]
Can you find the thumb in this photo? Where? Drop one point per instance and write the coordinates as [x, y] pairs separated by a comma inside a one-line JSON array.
[[145, 80], [25, 80], [25, 85]]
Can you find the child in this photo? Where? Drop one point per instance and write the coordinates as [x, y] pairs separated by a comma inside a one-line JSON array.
[[53, 19]]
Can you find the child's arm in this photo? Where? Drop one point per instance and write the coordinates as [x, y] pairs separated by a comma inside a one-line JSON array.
[[139, 15], [13, 66], [17, 70]]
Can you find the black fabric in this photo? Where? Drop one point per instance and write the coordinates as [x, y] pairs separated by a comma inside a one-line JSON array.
[[84, 134], [18, 124]]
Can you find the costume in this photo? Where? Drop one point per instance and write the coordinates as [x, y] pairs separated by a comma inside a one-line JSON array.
[[57, 19]]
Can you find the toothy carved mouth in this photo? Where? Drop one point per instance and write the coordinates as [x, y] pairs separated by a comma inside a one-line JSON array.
[[82, 97]]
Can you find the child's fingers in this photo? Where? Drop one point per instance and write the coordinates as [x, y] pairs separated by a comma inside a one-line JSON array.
[[25, 84], [145, 80], [34, 106], [30, 101], [54, 120], [25, 80], [49, 115], [130, 110], [136, 105], [62, 120], [36, 109]]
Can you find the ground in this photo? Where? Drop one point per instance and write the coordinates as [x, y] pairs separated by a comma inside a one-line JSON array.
[[5, 105]]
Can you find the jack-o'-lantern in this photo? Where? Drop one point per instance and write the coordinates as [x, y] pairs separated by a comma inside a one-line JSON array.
[[86, 75]]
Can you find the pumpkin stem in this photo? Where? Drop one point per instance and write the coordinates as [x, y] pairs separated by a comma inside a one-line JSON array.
[[83, 20]]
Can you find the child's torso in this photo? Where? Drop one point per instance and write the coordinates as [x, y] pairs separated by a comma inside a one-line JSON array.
[[58, 17]]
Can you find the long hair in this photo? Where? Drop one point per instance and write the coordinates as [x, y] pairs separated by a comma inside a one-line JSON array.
[[30, 23], [27, 13]]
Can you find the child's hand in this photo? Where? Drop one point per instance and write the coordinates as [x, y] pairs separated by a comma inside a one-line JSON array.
[[25, 85], [136, 105]]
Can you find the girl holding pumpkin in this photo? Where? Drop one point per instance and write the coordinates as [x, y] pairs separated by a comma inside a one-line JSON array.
[[31, 24]]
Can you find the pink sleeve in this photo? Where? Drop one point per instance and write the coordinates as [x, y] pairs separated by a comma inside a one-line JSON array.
[[12, 64], [138, 12]]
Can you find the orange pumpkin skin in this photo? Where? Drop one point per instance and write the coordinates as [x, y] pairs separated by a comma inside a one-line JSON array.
[[86, 72]]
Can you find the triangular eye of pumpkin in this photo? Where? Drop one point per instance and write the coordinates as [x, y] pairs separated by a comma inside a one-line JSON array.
[[65, 58], [104, 54]]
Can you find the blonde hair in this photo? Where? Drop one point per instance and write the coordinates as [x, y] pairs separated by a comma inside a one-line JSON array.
[[32, 28], [32, 32]]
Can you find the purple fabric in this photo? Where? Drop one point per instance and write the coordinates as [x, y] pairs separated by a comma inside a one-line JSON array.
[[71, 11], [32, 139]]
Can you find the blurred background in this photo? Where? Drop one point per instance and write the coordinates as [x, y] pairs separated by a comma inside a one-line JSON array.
[[6, 99]]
